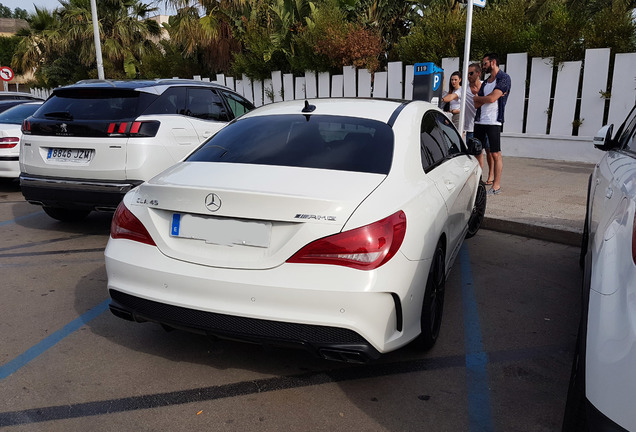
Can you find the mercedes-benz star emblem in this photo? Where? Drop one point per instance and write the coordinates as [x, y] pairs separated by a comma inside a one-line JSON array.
[[212, 202]]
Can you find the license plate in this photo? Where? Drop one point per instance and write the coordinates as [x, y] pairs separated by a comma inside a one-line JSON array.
[[227, 232], [69, 155]]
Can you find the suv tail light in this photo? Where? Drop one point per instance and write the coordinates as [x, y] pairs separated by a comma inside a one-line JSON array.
[[125, 225], [364, 248], [133, 128], [26, 127], [9, 142]]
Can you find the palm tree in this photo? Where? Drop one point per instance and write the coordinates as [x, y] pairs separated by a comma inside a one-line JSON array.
[[124, 31], [207, 29], [37, 45]]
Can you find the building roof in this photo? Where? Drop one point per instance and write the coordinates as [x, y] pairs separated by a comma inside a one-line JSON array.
[[10, 26]]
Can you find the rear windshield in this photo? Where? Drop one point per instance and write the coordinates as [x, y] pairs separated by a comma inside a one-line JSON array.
[[16, 114], [312, 141], [95, 104]]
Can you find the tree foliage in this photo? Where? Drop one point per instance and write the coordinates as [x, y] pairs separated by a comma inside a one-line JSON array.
[[7, 48], [562, 29], [64, 38], [256, 37], [17, 13]]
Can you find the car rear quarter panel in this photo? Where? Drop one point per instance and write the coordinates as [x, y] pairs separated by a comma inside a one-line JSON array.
[[611, 326], [408, 188]]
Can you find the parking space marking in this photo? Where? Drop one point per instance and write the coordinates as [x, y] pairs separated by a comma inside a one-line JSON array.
[[19, 218], [211, 393], [57, 252], [41, 243], [475, 360], [50, 341], [479, 410]]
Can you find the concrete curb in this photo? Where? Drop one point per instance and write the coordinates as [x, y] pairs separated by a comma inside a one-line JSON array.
[[540, 232]]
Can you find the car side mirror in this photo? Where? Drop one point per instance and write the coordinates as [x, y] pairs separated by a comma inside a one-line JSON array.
[[603, 138], [474, 146]]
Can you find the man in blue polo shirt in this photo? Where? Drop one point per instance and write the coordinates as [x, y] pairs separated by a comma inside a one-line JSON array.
[[490, 102]]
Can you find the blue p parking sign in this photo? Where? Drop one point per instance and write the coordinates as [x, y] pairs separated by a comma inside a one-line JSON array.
[[437, 79]]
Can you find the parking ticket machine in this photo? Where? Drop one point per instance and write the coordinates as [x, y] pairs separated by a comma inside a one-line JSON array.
[[427, 82]]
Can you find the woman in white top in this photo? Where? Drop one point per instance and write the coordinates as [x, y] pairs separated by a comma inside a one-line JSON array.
[[454, 96]]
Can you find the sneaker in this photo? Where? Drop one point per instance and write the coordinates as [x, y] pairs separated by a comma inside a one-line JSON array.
[[494, 191]]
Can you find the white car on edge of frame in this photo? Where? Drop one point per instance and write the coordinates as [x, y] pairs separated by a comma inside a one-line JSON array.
[[603, 382], [330, 224]]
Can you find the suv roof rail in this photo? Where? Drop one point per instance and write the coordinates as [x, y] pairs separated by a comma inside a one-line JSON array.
[[95, 81]]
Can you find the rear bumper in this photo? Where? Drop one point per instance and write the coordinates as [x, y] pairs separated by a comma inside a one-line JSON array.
[[325, 310], [75, 193], [332, 343], [9, 166]]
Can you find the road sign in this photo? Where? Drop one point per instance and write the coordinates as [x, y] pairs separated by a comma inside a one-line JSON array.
[[6, 73], [480, 3]]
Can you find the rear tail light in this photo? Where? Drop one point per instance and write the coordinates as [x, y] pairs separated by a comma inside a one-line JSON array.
[[133, 128], [9, 142], [125, 225], [364, 248], [26, 127]]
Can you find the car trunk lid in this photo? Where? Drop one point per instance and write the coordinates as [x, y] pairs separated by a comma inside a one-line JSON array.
[[246, 216]]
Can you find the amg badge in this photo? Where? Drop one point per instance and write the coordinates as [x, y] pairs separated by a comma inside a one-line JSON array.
[[315, 217]]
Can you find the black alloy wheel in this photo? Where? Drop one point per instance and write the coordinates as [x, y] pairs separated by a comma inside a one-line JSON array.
[[433, 304], [479, 210]]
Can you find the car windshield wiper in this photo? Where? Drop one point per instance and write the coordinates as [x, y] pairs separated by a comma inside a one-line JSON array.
[[59, 114]]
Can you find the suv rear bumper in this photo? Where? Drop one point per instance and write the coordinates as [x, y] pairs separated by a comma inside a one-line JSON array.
[[75, 193]]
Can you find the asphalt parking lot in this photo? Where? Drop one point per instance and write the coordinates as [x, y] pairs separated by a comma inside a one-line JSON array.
[[502, 362]]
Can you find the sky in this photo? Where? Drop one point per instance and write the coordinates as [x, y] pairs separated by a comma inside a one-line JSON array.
[[29, 5]]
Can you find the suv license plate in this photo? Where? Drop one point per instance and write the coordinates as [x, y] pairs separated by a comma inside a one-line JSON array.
[[70, 155]]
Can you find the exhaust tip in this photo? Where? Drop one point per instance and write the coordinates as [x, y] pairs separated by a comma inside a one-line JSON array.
[[121, 313], [344, 356]]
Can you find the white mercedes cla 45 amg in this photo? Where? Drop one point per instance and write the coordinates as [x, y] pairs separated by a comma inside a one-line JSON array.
[[330, 224]]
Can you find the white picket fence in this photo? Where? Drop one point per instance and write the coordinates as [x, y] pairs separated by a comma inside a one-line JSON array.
[[540, 113]]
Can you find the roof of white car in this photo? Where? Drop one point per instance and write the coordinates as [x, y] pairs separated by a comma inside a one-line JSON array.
[[375, 109]]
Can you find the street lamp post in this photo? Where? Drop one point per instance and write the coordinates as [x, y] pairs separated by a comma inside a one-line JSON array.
[[469, 27], [98, 45]]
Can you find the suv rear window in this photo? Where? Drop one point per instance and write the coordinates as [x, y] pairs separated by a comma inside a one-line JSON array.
[[95, 104], [325, 142]]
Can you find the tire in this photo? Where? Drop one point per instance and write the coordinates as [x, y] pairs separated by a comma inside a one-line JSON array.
[[585, 241], [479, 210], [574, 417], [65, 214], [433, 304]]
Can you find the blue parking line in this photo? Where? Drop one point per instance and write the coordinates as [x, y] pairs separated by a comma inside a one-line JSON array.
[[479, 410], [50, 341], [19, 218]]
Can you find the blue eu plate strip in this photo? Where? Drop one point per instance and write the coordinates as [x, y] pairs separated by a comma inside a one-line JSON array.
[[176, 223]]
